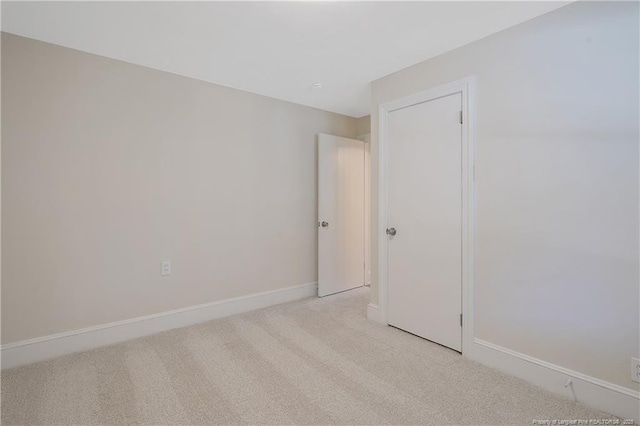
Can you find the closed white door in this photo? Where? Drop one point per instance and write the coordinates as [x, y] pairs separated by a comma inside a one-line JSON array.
[[425, 211], [340, 214]]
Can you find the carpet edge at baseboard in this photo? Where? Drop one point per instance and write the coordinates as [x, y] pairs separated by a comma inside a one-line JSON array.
[[51, 346]]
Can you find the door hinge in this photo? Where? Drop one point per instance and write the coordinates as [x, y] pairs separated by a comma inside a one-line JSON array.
[[460, 320], [460, 117]]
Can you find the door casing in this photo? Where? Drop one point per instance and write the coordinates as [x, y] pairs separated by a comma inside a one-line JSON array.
[[467, 87]]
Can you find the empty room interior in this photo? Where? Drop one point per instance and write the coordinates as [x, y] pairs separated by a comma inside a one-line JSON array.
[[331, 212]]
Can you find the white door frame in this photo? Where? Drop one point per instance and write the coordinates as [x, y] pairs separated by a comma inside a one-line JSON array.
[[467, 87]]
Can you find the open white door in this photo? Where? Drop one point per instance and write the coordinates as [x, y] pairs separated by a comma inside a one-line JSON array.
[[340, 214]]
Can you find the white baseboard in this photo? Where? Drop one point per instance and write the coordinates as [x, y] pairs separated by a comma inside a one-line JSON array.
[[608, 397], [41, 348], [374, 313], [605, 396]]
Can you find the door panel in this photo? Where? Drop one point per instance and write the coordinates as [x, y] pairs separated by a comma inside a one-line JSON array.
[[341, 206], [425, 207]]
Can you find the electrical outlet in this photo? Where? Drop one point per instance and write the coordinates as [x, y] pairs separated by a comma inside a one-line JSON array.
[[165, 268], [635, 370]]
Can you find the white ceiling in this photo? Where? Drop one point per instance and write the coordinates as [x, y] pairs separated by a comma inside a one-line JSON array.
[[277, 49]]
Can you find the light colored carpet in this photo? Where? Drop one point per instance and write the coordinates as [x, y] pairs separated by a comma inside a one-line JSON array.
[[316, 361]]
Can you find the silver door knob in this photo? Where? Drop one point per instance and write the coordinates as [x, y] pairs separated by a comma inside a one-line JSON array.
[[324, 224], [391, 231]]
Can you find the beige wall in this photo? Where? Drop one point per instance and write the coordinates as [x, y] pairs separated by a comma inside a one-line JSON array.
[[557, 181], [109, 168], [364, 125]]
